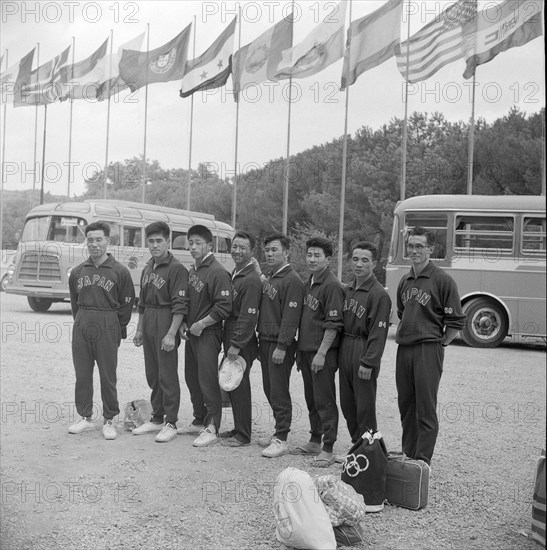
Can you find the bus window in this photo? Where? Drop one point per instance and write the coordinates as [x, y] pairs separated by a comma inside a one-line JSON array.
[[66, 229], [534, 235], [224, 245], [436, 223], [495, 233], [179, 241], [132, 236]]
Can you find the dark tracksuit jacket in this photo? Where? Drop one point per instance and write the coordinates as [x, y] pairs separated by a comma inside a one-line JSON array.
[[366, 323], [164, 290], [278, 321], [322, 310], [425, 306], [101, 299], [240, 331], [209, 293]]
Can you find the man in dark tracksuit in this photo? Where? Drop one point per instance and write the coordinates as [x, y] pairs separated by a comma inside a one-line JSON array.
[[101, 296], [317, 356], [239, 336], [366, 320], [278, 321], [210, 302], [162, 307], [429, 309]]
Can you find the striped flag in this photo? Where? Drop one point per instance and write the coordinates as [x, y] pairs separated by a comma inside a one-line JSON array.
[[213, 67], [500, 28], [14, 78], [439, 43], [372, 41]]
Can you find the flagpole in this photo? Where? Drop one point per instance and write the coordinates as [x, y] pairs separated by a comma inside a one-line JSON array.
[[43, 156], [234, 195], [34, 179], [189, 189], [471, 143], [405, 121], [4, 131], [143, 194], [288, 164], [344, 165], [105, 171], [70, 123]]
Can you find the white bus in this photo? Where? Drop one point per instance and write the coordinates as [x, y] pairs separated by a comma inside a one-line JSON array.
[[53, 242], [494, 248]]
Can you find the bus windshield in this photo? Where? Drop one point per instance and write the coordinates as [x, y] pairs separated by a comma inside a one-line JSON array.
[[66, 229]]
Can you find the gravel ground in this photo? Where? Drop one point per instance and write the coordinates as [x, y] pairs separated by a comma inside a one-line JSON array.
[[62, 491]]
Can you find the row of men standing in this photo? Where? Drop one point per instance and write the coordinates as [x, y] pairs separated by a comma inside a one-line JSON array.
[[322, 324]]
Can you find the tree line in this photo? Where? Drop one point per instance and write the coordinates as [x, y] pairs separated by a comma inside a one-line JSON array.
[[508, 159]]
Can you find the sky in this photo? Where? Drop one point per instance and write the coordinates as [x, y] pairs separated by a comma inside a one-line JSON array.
[[513, 78]]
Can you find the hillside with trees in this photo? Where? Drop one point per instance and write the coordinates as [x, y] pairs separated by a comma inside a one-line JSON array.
[[508, 159]]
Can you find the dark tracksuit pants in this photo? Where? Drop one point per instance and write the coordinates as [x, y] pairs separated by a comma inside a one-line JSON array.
[[201, 375], [418, 374], [357, 396], [275, 380], [320, 394], [96, 337], [161, 366], [240, 398]]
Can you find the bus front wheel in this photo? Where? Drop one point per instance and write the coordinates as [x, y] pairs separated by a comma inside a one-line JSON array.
[[486, 324], [39, 304]]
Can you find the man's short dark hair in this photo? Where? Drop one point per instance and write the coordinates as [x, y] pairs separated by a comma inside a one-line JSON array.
[[157, 227], [418, 231], [246, 235], [283, 239], [320, 242], [201, 231], [366, 245], [98, 226]]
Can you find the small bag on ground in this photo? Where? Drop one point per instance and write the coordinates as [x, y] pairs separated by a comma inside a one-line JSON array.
[[348, 535], [136, 413], [538, 505], [407, 481], [300, 515], [343, 503], [364, 468]]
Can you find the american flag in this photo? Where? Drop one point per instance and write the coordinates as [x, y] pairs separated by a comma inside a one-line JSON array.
[[439, 43]]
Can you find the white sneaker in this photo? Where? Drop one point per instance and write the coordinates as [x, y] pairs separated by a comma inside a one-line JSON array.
[[276, 448], [109, 431], [147, 428], [82, 425], [168, 433], [206, 437]]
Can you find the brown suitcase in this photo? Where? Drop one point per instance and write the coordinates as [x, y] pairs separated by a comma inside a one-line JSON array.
[[407, 481]]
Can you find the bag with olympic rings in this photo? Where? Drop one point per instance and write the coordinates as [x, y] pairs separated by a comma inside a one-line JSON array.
[[364, 469]]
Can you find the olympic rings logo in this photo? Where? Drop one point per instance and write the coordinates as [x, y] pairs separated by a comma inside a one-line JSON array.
[[355, 464]]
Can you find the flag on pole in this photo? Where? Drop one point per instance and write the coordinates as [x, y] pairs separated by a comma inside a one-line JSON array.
[[258, 60], [160, 65], [372, 40], [43, 85], [321, 48], [79, 80], [213, 67], [500, 28], [439, 43], [14, 78], [111, 82]]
